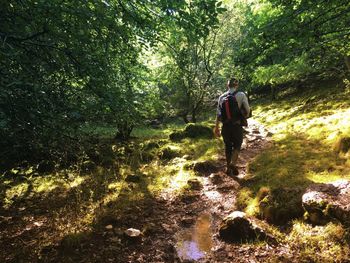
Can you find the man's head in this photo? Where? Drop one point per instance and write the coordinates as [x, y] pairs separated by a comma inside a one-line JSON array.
[[232, 83]]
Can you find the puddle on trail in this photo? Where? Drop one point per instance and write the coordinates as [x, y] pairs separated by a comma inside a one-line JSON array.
[[195, 242]]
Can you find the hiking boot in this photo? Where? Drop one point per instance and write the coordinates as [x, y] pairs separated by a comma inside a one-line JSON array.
[[229, 171], [234, 170]]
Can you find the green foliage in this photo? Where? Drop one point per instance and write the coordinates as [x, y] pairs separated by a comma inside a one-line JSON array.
[[64, 64], [278, 43], [187, 52]]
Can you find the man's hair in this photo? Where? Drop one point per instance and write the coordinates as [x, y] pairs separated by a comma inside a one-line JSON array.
[[231, 82]]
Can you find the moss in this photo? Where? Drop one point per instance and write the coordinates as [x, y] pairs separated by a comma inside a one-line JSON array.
[[177, 136], [169, 152], [244, 197], [318, 244], [263, 193], [343, 145], [150, 145], [198, 131], [192, 131]]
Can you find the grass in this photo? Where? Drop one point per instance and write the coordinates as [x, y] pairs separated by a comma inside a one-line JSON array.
[[320, 243], [78, 203], [306, 131], [306, 128]]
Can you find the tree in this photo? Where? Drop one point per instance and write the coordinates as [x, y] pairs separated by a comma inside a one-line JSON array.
[[65, 62], [187, 52], [288, 42]]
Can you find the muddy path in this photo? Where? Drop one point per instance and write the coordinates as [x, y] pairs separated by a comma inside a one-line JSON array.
[[175, 228], [185, 228]]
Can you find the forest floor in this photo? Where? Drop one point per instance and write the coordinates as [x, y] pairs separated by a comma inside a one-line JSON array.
[[176, 193], [175, 228]]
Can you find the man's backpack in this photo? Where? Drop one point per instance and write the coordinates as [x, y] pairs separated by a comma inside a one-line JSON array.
[[230, 112]]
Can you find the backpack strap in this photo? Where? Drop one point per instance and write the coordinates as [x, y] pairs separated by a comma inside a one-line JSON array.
[[228, 112]]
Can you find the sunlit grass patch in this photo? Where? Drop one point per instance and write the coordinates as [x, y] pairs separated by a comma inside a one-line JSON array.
[[325, 176], [320, 243], [44, 184], [171, 178], [16, 192], [293, 160], [114, 190], [203, 149], [321, 120]]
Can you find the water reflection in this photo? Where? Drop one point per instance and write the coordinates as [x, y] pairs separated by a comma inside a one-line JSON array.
[[194, 243]]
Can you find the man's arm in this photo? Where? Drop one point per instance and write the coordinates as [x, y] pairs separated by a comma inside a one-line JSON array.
[[245, 108]]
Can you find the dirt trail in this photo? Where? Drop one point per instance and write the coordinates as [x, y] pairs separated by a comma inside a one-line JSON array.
[[174, 228], [187, 231]]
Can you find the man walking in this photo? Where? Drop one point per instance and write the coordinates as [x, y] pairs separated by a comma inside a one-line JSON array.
[[233, 109]]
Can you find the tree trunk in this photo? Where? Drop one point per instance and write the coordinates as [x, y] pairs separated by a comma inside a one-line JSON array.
[[347, 62], [194, 119], [184, 117], [124, 130]]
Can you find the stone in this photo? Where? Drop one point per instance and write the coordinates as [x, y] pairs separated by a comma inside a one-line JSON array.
[[176, 136], [280, 205], [194, 184], [343, 145], [238, 227], [109, 227], [193, 131], [322, 202], [205, 167], [133, 234], [168, 153]]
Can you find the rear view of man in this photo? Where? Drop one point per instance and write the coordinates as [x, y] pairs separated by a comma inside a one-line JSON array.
[[233, 109]]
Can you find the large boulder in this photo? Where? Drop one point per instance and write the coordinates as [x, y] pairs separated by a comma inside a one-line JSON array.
[[169, 152], [192, 131], [280, 205], [322, 202], [198, 131], [238, 227], [194, 184], [343, 145]]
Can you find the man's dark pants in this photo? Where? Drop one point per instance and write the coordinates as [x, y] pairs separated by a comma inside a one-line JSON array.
[[233, 137]]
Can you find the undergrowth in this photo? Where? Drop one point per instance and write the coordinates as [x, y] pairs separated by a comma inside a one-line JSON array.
[[94, 193]]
